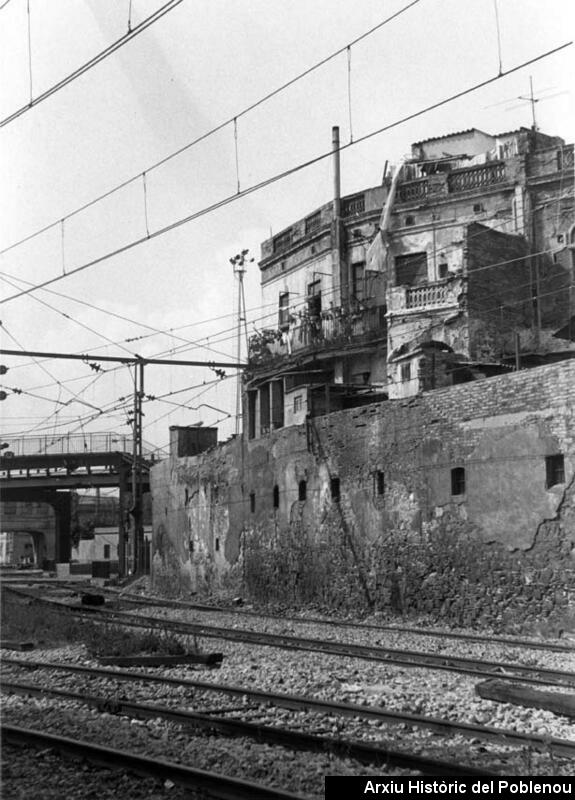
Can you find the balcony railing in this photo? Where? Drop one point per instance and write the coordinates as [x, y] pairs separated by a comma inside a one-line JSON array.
[[476, 177], [434, 294], [413, 191], [337, 326], [426, 297]]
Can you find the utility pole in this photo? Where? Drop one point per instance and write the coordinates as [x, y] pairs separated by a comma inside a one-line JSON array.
[[238, 263], [137, 532], [136, 510]]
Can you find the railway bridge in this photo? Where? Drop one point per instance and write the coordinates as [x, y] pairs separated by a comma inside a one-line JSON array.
[[47, 469]]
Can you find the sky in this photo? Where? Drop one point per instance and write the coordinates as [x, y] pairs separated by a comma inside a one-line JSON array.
[[203, 64]]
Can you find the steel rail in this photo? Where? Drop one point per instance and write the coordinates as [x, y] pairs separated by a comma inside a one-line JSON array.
[[220, 786], [368, 754], [407, 658], [153, 600], [471, 637], [546, 744]]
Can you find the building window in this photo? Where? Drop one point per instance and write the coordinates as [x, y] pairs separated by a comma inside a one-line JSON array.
[[313, 223], [277, 396], [283, 318], [252, 400], [443, 270], [302, 491], [358, 277], [276, 496], [252, 502], [314, 298], [297, 403], [555, 469], [107, 551], [335, 489], [458, 481], [217, 543], [410, 220], [265, 410], [379, 483], [411, 269], [478, 208], [406, 372]]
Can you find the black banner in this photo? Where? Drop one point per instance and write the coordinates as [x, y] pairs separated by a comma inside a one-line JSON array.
[[368, 786]]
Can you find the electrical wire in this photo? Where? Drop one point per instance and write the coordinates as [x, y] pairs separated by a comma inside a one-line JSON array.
[[88, 65], [157, 331], [277, 177], [216, 129]]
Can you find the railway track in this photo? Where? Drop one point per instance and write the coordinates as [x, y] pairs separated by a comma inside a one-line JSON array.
[[406, 658], [362, 752], [559, 747], [126, 597], [548, 646], [502, 670], [217, 785]]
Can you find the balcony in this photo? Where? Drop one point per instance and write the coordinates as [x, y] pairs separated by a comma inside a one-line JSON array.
[[331, 329], [426, 297], [459, 180], [463, 180]]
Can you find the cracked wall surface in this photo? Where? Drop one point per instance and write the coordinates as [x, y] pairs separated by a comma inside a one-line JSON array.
[[394, 533]]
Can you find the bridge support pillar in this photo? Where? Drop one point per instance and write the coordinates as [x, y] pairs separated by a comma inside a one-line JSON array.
[[61, 502]]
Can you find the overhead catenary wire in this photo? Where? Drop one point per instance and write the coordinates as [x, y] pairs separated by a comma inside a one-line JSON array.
[[158, 14], [277, 177], [157, 331], [170, 331], [217, 128]]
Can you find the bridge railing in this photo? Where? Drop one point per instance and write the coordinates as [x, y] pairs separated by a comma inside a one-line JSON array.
[[74, 443]]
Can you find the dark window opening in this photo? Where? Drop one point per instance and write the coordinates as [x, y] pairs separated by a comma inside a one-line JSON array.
[[277, 389], [106, 551], [458, 480], [335, 489], [478, 208], [406, 372], [276, 496], [252, 396], [443, 270], [358, 277], [217, 543], [191, 546], [314, 298], [379, 482], [411, 269], [555, 469], [215, 495], [297, 403], [302, 491], [265, 411], [283, 318], [410, 220], [252, 502]]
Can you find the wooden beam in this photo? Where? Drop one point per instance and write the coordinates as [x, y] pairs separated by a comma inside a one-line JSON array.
[[502, 692]]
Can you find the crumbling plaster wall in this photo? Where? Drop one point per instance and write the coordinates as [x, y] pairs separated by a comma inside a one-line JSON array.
[[395, 535]]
